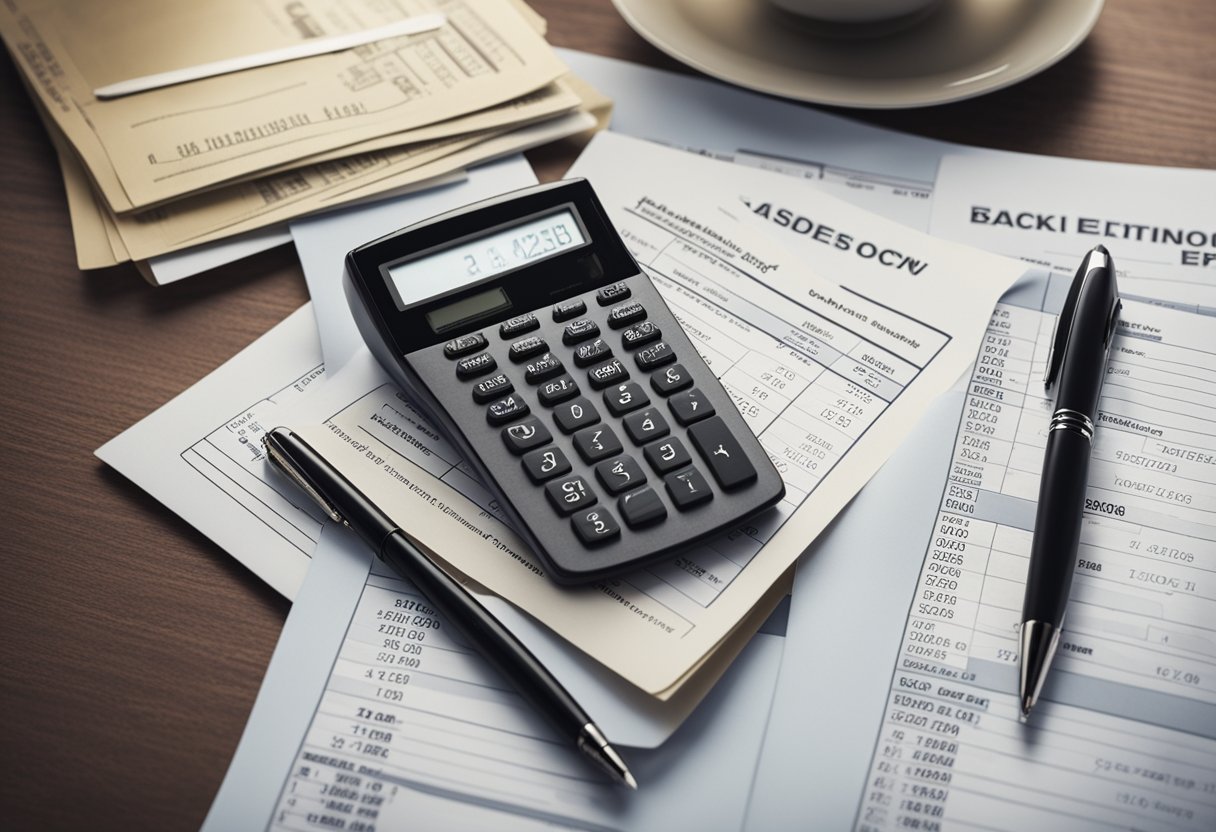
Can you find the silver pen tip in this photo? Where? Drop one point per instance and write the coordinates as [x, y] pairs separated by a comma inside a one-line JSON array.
[[1038, 647], [591, 742]]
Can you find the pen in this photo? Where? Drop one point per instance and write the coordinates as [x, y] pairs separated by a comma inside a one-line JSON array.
[[1079, 350], [345, 504]]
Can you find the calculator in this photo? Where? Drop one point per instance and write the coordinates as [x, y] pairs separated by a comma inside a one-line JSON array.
[[524, 330]]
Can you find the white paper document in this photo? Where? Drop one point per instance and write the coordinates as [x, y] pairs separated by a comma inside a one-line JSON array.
[[828, 373], [201, 454], [373, 714], [1158, 223], [883, 171], [919, 701]]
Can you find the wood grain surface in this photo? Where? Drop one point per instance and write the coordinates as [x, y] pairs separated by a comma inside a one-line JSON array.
[[132, 646]]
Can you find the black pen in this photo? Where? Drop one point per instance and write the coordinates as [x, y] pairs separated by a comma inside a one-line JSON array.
[[345, 504], [1077, 361]]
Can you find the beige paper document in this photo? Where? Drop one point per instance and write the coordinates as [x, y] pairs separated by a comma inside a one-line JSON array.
[[163, 144], [218, 214], [832, 335], [247, 206]]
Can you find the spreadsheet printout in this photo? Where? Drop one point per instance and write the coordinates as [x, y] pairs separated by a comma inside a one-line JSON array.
[[925, 719], [1125, 734], [374, 714]]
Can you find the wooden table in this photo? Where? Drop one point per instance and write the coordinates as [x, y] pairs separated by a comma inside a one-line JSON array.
[[132, 646]]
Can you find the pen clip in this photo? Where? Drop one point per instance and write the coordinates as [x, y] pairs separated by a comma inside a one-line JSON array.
[[1063, 329], [285, 464]]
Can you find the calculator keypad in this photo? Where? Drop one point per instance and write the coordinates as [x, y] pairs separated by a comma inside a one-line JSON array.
[[506, 409], [464, 345], [492, 388], [611, 294], [722, 453], [646, 425], [569, 494], [672, 380], [654, 356], [596, 442], [606, 374], [578, 331], [518, 326], [526, 348], [643, 333], [595, 526], [666, 455], [476, 366], [596, 410], [568, 309], [527, 434], [593, 353], [687, 488], [576, 414], [545, 463], [690, 406], [542, 368], [557, 390], [620, 474], [625, 398], [642, 507], [626, 314]]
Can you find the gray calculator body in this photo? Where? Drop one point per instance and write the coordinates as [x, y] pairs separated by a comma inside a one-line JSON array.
[[523, 329]]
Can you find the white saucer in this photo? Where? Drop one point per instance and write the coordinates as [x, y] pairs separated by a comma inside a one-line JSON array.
[[960, 49]]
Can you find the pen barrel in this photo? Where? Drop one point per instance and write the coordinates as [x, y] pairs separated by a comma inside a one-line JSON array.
[[519, 668], [1057, 526]]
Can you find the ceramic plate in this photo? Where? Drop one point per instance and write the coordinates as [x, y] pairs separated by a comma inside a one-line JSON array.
[[960, 49]]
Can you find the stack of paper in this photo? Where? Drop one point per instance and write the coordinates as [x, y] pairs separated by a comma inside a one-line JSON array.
[[175, 167]]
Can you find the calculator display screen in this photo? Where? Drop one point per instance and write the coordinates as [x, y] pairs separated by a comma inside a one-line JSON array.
[[474, 306], [501, 251]]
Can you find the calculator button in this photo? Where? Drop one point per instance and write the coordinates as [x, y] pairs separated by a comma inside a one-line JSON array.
[[506, 410], [578, 331], [492, 388], [611, 294], [606, 374], [626, 314], [588, 354], [655, 356], [518, 326], [526, 348], [595, 526], [476, 366], [722, 453], [558, 390], [545, 464], [542, 368], [646, 425], [625, 397], [672, 380], [464, 345], [568, 309], [574, 415], [690, 406], [687, 488], [525, 436], [642, 507], [666, 455], [596, 443], [642, 333], [620, 474], [569, 494]]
